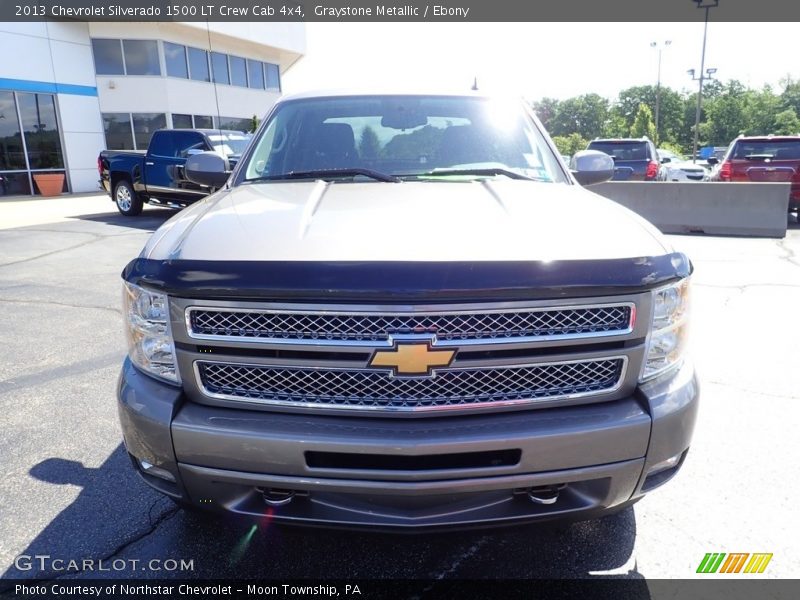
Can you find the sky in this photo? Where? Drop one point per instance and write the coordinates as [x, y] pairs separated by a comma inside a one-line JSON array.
[[535, 60]]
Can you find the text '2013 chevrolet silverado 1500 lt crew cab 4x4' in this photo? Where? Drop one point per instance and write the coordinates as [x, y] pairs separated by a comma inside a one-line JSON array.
[[404, 311]]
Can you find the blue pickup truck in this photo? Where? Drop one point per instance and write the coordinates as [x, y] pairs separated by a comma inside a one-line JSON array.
[[156, 176]]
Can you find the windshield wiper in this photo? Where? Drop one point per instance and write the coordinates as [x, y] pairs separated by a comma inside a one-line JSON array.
[[479, 171], [328, 174]]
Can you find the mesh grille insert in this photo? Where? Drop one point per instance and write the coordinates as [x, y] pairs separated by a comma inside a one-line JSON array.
[[365, 389], [378, 327]]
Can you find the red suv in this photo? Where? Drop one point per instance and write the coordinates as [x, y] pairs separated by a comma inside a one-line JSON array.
[[763, 158]]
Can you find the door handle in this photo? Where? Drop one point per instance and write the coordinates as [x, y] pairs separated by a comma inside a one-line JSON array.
[[149, 163]]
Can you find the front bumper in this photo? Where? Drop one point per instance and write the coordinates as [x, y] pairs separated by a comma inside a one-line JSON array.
[[597, 456]]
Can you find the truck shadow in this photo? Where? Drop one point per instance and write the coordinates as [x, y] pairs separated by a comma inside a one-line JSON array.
[[151, 218], [116, 516]]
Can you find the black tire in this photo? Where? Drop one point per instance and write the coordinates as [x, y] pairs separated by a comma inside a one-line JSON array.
[[127, 201]]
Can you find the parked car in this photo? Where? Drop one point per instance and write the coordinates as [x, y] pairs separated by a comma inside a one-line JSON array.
[[439, 328], [677, 168], [763, 158], [635, 159], [156, 176]]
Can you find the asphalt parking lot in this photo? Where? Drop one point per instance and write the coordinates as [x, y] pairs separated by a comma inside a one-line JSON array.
[[68, 490]]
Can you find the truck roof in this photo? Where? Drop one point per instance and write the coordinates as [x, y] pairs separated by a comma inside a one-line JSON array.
[[344, 92]]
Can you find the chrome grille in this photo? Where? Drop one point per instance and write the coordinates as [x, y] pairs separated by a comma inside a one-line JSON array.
[[377, 327], [377, 390]]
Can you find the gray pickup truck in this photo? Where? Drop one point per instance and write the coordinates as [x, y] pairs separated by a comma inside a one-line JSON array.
[[406, 312]]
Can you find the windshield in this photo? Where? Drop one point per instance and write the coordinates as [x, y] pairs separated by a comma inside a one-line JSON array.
[[776, 149], [410, 137], [229, 143]]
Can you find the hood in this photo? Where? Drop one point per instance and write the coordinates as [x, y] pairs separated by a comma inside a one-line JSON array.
[[487, 220]]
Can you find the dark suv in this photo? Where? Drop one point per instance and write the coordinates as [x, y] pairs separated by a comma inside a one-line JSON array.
[[763, 158], [635, 159]]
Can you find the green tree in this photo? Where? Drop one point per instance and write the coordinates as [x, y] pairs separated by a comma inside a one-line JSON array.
[[790, 96], [585, 115], [643, 124], [786, 123], [615, 125], [670, 112], [570, 144], [761, 108], [546, 109], [726, 115], [369, 146]]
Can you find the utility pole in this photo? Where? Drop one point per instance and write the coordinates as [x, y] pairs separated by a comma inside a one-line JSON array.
[[660, 47], [707, 5]]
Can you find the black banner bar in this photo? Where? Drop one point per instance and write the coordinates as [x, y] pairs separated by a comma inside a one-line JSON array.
[[619, 587], [401, 11]]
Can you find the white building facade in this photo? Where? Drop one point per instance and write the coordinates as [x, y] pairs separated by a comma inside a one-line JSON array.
[[69, 90]]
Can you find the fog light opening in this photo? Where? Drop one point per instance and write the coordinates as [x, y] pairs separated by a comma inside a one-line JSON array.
[[663, 471], [665, 465], [150, 469]]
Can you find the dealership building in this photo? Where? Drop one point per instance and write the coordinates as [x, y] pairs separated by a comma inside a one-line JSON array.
[[71, 89]]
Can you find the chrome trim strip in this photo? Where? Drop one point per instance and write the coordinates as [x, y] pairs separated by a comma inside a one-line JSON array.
[[390, 311], [172, 190], [457, 407]]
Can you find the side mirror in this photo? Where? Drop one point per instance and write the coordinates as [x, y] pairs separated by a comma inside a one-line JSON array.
[[207, 168], [665, 160], [591, 166], [712, 160]]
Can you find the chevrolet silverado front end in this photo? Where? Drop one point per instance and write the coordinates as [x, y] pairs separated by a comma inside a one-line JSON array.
[[430, 324]]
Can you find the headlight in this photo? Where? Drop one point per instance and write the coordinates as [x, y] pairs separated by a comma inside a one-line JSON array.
[[148, 332], [666, 344]]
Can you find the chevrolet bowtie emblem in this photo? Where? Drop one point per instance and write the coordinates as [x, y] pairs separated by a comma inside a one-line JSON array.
[[412, 358]]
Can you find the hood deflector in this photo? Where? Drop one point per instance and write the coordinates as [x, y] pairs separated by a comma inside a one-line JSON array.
[[357, 281]]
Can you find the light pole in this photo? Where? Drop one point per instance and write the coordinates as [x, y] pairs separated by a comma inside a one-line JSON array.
[[709, 74], [707, 5], [660, 47]]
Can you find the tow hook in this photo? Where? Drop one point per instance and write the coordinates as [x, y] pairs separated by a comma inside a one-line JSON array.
[[545, 494], [277, 497]]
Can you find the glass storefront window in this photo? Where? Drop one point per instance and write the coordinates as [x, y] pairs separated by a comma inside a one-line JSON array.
[[235, 124], [273, 76], [12, 155], [38, 112], [144, 124], [203, 122], [107, 57], [219, 64], [14, 184], [255, 74], [238, 71], [198, 64], [117, 127], [180, 121], [141, 57], [30, 143], [175, 59]]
